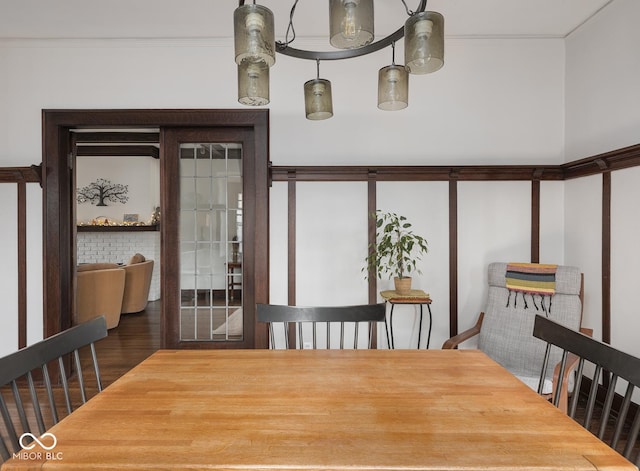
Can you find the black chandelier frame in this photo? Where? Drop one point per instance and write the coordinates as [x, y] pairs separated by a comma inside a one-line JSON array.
[[287, 50]]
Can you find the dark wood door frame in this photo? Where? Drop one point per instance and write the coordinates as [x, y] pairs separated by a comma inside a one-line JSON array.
[[58, 192], [252, 171]]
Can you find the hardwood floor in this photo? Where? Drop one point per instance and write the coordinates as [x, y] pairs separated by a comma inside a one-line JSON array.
[[136, 337]]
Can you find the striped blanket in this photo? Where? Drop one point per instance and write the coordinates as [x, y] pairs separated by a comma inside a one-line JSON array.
[[533, 279]]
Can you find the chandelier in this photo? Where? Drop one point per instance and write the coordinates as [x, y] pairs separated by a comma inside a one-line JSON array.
[[351, 31]]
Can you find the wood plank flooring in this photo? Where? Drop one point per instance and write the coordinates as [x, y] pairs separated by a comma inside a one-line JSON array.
[[136, 337]]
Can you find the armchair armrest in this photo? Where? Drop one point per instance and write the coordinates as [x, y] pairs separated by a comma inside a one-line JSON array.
[[456, 340]]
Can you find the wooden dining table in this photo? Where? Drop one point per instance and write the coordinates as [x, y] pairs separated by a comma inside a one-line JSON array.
[[319, 410]]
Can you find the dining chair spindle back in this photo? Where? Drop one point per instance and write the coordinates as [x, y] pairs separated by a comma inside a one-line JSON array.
[[611, 368], [23, 368], [309, 323]]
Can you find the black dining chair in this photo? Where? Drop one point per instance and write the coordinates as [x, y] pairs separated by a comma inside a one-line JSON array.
[[311, 322], [611, 368], [29, 367]]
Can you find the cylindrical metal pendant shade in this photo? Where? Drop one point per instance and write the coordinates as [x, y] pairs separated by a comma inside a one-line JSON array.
[[317, 99], [253, 33], [351, 23], [253, 83], [393, 88], [424, 42]]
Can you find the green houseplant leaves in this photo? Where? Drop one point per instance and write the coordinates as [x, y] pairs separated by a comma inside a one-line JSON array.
[[397, 250]]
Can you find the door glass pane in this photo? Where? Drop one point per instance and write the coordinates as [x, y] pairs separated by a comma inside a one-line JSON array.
[[211, 242]]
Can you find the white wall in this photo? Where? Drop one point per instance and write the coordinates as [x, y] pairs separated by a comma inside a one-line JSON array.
[[331, 243], [551, 221], [140, 174], [602, 114], [494, 225], [426, 206], [494, 101], [602, 92], [583, 242], [625, 256], [9, 255]]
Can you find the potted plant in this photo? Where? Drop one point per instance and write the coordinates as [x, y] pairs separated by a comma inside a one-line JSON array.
[[396, 252]]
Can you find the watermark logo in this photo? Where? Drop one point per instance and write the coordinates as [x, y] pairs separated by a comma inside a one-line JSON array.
[[38, 441], [47, 442]]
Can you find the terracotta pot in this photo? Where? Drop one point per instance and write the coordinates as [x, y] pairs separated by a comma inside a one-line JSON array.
[[403, 285]]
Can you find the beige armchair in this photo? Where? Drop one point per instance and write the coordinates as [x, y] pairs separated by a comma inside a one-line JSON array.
[[99, 291], [137, 285]]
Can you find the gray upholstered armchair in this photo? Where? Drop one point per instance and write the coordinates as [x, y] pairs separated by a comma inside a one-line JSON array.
[[505, 328]]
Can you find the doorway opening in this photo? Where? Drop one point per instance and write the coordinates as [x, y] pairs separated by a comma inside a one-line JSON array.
[[249, 129]]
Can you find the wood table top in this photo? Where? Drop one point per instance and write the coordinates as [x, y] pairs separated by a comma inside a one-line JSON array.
[[414, 296], [320, 410]]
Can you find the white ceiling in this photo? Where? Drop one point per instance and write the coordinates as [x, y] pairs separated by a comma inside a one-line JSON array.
[[213, 18]]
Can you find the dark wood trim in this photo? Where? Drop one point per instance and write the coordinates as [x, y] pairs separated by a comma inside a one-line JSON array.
[[535, 221], [372, 205], [118, 151], [260, 274], [170, 288], [453, 257], [291, 240], [110, 137], [145, 228], [420, 173], [59, 225], [618, 159], [58, 258], [614, 160], [291, 251], [20, 174], [171, 138], [606, 257], [22, 264], [154, 118]]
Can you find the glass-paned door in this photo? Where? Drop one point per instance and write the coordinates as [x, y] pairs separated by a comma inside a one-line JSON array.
[[211, 241], [214, 237]]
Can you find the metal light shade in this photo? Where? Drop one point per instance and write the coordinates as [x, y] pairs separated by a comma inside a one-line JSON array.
[[253, 83], [424, 42], [393, 88], [351, 23], [317, 99], [253, 33]]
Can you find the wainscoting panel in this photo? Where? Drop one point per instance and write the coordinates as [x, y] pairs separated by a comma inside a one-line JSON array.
[[625, 260], [278, 243], [9, 256], [425, 204], [331, 243], [583, 243], [551, 222], [494, 225]]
